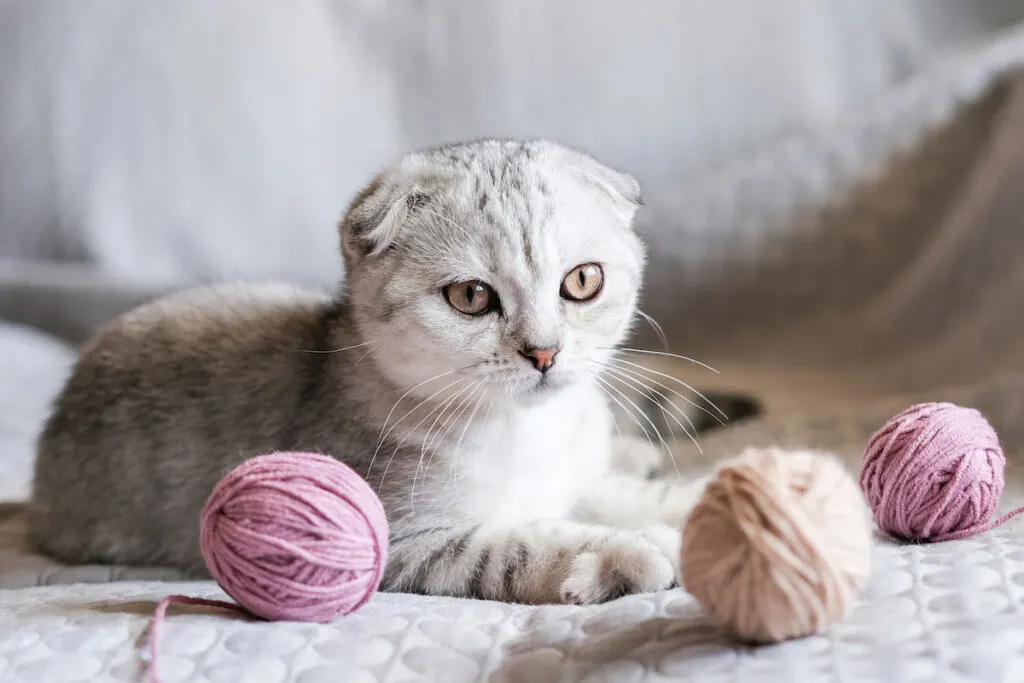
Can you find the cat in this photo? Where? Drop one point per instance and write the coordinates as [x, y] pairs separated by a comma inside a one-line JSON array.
[[459, 370]]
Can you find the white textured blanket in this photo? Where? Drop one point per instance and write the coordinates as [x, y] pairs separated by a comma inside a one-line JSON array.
[[948, 612], [836, 278]]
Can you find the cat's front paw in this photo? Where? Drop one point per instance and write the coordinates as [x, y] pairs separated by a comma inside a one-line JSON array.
[[624, 564]]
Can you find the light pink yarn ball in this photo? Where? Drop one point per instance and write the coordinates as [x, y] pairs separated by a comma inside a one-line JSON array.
[[778, 546], [295, 537]]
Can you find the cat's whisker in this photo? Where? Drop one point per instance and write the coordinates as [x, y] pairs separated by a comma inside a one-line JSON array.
[[691, 433], [450, 402], [384, 434], [656, 326], [455, 459], [668, 449], [364, 356], [454, 418], [639, 410], [409, 432], [346, 348], [623, 349], [640, 382], [624, 409], [458, 445], [623, 366], [402, 397], [510, 385], [469, 421], [431, 436], [615, 423], [721, 420], [605, 386]]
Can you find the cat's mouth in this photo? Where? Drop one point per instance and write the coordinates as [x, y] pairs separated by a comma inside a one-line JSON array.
[[545, 385]]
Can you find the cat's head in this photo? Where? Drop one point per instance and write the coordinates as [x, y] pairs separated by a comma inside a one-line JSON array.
[[507, 269]]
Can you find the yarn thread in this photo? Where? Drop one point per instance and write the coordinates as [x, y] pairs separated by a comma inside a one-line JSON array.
[[159, 615], [935, 472], [778, 546], [289, 536]]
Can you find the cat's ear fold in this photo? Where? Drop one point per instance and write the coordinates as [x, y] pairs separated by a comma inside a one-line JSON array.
[[376, 215], [621, 188]]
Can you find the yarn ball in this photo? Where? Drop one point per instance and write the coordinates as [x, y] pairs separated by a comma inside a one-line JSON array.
[[934, 472], [778, 546], [295, 537]]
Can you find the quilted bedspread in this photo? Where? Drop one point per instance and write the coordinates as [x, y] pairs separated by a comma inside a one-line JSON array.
[[949, 612], [836, 278]]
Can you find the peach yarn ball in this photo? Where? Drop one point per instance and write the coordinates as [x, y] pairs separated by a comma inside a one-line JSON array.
[[778, 546]]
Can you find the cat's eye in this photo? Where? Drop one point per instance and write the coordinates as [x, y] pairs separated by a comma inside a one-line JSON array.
[[471, 297], [583, 283]]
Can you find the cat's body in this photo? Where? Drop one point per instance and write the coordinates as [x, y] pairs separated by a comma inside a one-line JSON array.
[[485, 432]]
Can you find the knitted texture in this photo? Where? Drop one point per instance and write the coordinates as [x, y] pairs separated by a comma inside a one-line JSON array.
[[934, 472], [290, 536], [778, 546], [295, 536]]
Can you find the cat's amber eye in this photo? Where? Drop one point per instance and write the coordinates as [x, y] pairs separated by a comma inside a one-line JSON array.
[[583, 283], [471, 297]]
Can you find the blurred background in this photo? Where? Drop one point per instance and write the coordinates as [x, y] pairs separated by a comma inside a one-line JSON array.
[[835, 188], [195, 140], [148, 145]]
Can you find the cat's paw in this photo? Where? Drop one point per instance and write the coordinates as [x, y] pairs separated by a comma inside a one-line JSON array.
[[669, 539], [637, 457], [624, 564]]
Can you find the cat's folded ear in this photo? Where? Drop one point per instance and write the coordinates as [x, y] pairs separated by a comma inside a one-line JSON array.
[[621, 188], [376, 215]]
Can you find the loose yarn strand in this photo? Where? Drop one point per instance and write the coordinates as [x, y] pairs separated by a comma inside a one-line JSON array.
[[160, 615], [982, 528]]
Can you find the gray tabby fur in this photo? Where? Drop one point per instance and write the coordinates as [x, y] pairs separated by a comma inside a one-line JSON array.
[[500, 483]]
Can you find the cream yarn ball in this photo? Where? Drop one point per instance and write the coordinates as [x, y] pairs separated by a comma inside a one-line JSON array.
[[779, 544]]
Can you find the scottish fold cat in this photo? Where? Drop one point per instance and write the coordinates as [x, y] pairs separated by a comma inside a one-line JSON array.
[[462, 370]]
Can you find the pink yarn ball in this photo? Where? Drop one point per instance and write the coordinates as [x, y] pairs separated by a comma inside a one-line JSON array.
[[295, 537], [934, 472]]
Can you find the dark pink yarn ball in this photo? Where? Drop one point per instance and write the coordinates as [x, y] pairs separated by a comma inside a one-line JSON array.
[[295, 537], [934, 472]]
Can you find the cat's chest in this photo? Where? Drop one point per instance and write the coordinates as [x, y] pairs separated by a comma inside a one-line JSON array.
[[534, 464]]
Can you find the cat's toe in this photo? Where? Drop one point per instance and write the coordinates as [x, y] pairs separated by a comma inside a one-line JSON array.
[[622, 566], [583, 586]]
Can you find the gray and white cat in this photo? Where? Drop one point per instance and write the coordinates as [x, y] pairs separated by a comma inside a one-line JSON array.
[[487, 286]]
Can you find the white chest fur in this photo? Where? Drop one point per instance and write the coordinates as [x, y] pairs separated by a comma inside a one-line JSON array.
[[534, 463]]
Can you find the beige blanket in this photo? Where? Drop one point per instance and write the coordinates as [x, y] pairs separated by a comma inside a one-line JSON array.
[[847, 273]]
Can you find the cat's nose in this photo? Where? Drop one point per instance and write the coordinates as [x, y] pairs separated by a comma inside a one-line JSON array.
[[542, 359]]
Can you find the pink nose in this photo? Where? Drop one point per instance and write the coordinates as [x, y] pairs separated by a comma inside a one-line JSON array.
[[542, 359]]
